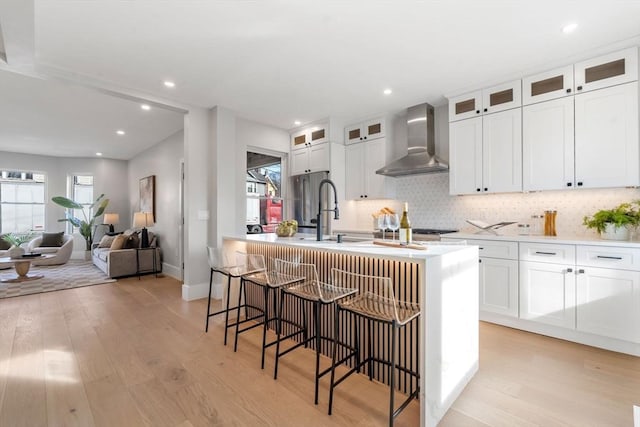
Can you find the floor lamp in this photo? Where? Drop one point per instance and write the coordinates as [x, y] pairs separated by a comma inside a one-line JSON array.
[[143, 220]]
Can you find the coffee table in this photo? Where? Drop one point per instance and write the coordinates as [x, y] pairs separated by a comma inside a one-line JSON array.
[[22, 266]]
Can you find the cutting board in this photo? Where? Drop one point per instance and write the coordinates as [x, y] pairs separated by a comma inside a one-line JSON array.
[[398, 245]]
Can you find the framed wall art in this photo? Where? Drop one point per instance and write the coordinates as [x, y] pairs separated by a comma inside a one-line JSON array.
[[148, 195]]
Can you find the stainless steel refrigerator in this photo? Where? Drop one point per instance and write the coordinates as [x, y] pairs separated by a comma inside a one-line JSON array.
[[304, 189]]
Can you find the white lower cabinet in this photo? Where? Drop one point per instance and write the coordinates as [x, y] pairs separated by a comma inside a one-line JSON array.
[[499, 286], [608, 302], [548, 293]]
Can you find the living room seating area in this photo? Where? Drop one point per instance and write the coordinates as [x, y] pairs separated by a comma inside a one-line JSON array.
[[122, 255]]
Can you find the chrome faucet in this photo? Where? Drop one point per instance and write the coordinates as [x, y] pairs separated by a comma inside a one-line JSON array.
[[336, 213]]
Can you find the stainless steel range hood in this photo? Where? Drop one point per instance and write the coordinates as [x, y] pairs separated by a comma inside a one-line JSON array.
[[422, 146]]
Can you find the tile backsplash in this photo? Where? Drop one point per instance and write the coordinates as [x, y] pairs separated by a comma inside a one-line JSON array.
[[430, 205]]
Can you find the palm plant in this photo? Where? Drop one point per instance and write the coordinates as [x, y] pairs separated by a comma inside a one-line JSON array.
[[17, 239], [86, 224]]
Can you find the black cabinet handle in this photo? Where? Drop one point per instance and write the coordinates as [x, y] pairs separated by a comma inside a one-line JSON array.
[[579, 183], [481, 248], [477, 189], [360, 138], [486, 189], [569, 90], [569, 184], [477, 111], [485, 110], [479, 260], [609, 257], [581, 271], [579, 88], [545, 253], [365, 196], [365, 137]]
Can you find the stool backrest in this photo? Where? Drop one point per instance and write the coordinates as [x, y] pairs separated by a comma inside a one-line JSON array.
[[295, 268], [217, 258], [250, 263], [377, 288]]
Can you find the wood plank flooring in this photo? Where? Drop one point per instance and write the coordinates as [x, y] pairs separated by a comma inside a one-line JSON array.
[[132, 353]]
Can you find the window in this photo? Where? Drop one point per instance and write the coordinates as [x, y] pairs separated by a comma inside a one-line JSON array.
[[82, 193], [264, 203], [21, 201]]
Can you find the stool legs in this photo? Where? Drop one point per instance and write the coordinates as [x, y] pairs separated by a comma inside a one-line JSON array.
[[206, 328], [392, 373], [240, 291], [316, 315], [336, 329], [226, 312], [266, 323], [278, 333]]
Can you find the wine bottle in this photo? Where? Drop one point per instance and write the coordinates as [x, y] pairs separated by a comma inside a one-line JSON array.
[[405, 226]]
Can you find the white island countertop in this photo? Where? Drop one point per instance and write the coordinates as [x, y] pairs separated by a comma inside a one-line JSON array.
[[447, 287]]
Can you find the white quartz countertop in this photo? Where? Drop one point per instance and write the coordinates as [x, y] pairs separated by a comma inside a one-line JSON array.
[[561, 239], [357, 248]]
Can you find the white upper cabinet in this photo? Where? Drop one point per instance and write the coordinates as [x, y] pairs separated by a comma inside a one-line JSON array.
[[365, 131], [465, 156], [465, 106], [547, 145], [606, 132], [362, 160], [607, 70], [549, 85], [502, 152], [490, 100], [502, 97], [312, 158], [313, 134]]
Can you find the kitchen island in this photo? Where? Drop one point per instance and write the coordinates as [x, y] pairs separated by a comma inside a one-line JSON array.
[[442, 279]]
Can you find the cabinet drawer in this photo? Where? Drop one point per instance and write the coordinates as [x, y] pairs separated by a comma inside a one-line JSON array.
[[496, 249], [609, 257], [548, 252]]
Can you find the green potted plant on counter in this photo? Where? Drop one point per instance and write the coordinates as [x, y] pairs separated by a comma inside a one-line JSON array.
[[614, 224], [86, 224]]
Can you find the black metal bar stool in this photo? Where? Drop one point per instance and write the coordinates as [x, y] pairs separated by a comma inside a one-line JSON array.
[[270, 281], [375, 302], [320, 295], [219, 264]]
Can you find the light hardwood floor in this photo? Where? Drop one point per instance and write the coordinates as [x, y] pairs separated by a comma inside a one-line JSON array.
[[132, 353]]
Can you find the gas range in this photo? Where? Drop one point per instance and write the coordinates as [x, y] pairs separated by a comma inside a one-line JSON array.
[[421, 234]]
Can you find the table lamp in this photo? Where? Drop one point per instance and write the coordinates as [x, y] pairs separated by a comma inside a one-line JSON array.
[[110, 219], [143, 220]]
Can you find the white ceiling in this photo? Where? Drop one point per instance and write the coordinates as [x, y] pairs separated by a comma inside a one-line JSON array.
[[280, 61]]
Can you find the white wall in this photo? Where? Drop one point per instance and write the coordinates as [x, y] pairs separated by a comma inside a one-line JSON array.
[[162, 160], [110, 178]]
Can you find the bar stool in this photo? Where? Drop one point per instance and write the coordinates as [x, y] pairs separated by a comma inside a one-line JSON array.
[[271, 281], [218, 263], [374, 303], [313, 291]]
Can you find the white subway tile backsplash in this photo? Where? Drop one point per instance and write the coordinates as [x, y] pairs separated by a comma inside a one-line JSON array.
[[430, 204]]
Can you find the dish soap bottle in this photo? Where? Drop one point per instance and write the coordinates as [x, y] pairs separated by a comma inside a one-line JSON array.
[[405, 227]]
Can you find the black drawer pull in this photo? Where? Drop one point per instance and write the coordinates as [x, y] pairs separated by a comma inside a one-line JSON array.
[[481, 248], [545, 253], [609, 257]]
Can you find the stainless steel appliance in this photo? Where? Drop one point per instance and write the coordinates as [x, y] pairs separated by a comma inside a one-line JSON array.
[[304, 190]]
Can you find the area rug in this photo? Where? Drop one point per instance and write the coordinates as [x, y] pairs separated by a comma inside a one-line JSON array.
[[73, 274]]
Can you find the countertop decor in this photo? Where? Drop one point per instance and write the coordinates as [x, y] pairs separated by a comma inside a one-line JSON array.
[[614, 224]]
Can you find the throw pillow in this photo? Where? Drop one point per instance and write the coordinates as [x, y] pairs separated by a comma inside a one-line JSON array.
[[118, 242], [133, 241], [52, 240], [4, 245], [106, 241]]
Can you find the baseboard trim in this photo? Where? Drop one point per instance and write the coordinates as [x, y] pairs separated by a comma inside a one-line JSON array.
[[201, 290], [172, 270]]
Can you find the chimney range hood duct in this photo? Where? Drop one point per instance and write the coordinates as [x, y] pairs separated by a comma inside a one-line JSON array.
[[421, 142]]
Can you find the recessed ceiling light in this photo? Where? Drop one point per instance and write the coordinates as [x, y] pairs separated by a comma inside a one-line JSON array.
[[98, 154], [168, 83], [120, 132], [387, 91], [569, 28], [297, 123], [145, 107]]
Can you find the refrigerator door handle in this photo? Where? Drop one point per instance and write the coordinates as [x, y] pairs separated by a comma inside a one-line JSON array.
[[305, 182]]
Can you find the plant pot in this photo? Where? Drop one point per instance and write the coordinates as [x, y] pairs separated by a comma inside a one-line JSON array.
[[87, 255], [612, 232], [16, 252]]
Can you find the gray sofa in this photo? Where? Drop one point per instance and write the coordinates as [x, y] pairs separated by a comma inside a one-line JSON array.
[[129, 261]]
